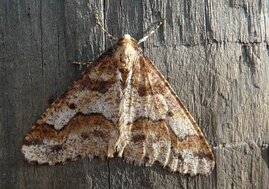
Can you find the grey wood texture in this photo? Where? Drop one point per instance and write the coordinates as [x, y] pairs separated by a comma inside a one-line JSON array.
[[214, 53]]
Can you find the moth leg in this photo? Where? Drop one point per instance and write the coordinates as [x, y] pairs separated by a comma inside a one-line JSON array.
[[80, 64]]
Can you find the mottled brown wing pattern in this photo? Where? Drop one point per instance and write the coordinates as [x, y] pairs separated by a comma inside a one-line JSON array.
[[162, 130], [80, 122], [121, 104]]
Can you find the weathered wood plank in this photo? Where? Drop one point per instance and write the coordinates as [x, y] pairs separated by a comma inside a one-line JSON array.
[[215, 55]]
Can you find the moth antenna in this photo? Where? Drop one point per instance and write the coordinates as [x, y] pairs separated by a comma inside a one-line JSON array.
[[151, 32], [98, 22]]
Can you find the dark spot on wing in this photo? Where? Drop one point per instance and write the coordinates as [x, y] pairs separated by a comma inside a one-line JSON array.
[[56, 148], [138, 138], [32, 142], [72, 106], [101, 86], [170, 114], [98, 134], [142, 90], [84, 135]]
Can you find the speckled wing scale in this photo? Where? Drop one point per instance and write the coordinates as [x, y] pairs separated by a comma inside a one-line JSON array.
[[121, 105]]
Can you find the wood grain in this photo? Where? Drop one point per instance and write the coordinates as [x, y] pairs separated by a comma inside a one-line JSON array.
[[214, 53]]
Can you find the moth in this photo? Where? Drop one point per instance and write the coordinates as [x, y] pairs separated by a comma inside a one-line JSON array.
[[120, 106]]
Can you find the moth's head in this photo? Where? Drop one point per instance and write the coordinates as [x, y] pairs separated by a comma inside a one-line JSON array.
[[127, 52], [127, 39]]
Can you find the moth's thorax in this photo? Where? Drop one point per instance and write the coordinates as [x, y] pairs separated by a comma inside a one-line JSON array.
[[126, 53]]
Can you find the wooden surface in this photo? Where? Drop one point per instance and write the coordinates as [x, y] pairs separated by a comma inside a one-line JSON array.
[[214, 53]]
